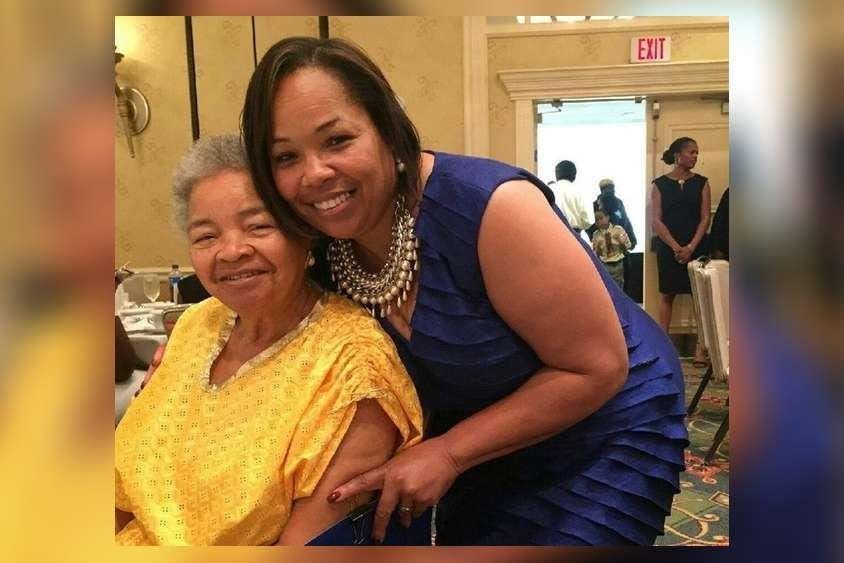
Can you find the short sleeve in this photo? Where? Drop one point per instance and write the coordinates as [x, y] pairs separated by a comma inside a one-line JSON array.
[[367, 369]]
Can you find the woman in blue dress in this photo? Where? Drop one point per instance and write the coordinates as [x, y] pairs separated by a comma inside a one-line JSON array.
[[554, 405]]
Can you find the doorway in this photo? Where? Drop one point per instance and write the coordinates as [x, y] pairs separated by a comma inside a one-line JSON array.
[[605, 139]]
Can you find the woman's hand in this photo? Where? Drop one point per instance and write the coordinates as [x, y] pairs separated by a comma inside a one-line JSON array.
[[412, 481], [684, 254]]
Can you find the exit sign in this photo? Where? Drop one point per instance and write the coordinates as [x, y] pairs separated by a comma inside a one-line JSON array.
[[652, 49]]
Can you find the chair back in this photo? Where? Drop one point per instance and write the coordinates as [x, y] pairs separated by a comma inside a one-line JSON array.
[[703, 297], [721, 271], [692, 266], [191, 290], [134, 288], [145, 345], [717, 282], [170, 315]]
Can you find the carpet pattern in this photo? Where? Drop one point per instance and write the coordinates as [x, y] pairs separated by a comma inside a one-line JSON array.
[[700, 513]]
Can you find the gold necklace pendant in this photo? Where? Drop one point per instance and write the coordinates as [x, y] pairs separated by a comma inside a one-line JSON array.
[[377, 292]]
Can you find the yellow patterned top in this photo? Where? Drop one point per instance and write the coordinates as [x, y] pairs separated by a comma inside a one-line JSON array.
[[201, 465]]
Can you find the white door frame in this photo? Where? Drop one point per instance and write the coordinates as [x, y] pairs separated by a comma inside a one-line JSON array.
[[526, 87], [476, 34]]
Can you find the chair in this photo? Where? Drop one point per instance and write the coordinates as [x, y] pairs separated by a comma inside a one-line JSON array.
[[693, 268], [721, 270], [134, 288], [145, 345], [716, 312], [125, 391], [191, 290], [170, 315]]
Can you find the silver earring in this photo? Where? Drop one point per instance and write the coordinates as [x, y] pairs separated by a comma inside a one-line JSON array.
[[400, 165], [311, 260]]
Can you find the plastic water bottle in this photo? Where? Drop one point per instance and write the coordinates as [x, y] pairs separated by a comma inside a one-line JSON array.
[[174, 277]]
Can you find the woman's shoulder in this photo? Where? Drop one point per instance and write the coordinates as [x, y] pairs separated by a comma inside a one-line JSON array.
[[660, 181], [208, 311], [468, 177], [346, 322], [701, 178], [459, 190]]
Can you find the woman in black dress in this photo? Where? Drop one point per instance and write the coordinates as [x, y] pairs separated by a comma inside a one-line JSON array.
[[681, 208]]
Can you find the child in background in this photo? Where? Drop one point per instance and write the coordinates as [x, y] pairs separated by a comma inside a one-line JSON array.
[[610, 243]]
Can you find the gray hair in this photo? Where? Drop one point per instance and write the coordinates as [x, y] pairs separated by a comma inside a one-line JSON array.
[[206, 158]]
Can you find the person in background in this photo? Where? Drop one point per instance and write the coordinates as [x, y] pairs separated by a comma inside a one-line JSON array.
[[680, 203], [269, 394], [568, 198], [554, 404], [610, 243], [611, 204], [719, 234]]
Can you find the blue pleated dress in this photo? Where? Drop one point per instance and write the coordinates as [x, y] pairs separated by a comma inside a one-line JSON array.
[[608, 480]]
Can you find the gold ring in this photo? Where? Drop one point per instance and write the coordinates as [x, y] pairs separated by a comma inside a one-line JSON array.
[[403, 508]]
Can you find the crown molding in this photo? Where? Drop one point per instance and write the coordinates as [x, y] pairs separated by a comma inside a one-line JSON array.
[[694, 77]]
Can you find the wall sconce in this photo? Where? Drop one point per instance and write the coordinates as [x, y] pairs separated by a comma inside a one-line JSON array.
[[132, 107]]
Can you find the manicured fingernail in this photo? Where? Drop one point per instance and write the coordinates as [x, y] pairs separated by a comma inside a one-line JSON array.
[[334, 496]]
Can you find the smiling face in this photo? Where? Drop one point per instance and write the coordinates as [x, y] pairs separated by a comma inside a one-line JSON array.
[[329, 161], [238, 252]]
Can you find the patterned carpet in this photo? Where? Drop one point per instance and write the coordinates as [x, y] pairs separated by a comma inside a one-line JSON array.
[[700, 514]]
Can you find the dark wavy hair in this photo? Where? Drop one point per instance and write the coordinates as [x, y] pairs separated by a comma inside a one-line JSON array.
[[677, 146], [365, 85]]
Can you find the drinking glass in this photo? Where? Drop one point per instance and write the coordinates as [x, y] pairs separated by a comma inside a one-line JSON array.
[[152, 287]]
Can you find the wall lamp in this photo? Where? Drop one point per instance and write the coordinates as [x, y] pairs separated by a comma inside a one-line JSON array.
[[132, 107]]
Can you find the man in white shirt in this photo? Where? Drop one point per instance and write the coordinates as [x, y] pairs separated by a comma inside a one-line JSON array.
[[568, 197]]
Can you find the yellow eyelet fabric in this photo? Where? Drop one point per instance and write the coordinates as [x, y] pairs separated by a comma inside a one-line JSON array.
[[198, 465]]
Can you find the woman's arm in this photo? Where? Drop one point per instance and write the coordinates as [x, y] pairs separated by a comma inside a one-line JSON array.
[[545, 287], [543, 284], [370, 441], [685, 253], [656, 220], [705, 215]]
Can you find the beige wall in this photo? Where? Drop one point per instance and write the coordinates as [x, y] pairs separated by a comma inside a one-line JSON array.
[[271, 29], [155, 63], [422, 57], [224, 62], [588, 49]]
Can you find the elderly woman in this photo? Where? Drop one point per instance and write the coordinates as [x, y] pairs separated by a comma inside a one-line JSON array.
[[554, 404], [270, 393]]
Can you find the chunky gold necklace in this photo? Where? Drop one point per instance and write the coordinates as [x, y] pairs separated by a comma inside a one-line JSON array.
[[376, 292]]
